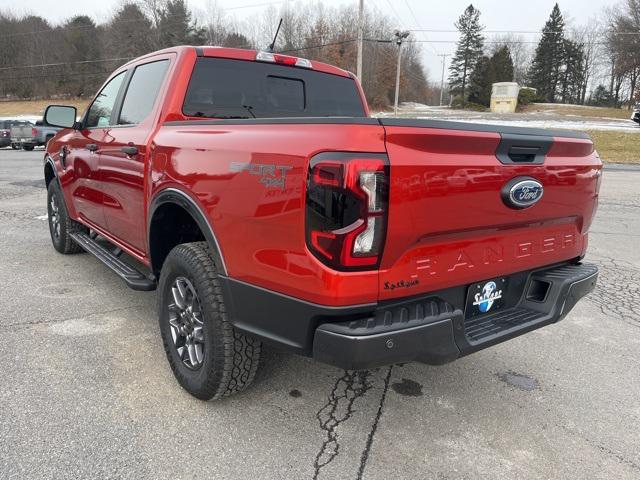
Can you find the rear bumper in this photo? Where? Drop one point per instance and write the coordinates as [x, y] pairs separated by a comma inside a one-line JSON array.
[[430, 329]]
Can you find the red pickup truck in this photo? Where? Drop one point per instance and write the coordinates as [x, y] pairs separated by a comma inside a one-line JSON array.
[[265, 204]]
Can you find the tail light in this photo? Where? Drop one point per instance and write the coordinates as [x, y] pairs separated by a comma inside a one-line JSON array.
[[34, 132], [346, 209]]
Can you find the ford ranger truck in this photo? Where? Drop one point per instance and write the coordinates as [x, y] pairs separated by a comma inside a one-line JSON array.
[[255, 192]]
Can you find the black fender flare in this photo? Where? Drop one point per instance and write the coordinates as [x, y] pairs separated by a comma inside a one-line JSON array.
[[48, 162], [182, 199]]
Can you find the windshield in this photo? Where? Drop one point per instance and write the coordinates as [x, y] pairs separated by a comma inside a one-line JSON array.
[[223, 88]]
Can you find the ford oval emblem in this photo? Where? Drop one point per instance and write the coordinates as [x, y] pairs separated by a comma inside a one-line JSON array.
[[522, 192]]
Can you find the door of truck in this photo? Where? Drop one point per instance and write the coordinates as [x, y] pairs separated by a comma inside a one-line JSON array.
[[82, 154], [123, 153]]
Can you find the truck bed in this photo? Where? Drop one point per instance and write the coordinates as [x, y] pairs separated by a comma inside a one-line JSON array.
[[447, 222]]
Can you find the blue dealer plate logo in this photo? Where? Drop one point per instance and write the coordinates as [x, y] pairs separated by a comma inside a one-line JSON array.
[[484, 300]]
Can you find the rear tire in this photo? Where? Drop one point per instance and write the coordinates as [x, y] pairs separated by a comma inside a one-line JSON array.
[[209, 358], [15, 146], [27, 148], [60, 225]]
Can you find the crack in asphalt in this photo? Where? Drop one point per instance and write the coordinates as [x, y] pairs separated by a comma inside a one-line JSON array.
[[603, 448], [51, 322], [365, 453], [617, 291], [338, 409]]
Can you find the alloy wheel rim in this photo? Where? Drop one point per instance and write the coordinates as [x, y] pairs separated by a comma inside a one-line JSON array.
[[186, 323], [55, 216]]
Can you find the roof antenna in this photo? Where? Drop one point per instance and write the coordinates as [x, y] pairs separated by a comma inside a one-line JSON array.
[[275, 37]]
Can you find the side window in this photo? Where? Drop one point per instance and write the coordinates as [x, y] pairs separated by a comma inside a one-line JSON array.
[[101, 108], [142, 92]]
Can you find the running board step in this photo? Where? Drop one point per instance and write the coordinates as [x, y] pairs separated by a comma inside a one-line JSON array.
[[134, 279]]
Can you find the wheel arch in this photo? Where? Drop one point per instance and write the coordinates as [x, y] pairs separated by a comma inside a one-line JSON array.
[[174, 205], [49, 171]]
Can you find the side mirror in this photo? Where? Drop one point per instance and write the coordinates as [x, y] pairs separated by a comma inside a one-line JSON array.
[[60, 116]]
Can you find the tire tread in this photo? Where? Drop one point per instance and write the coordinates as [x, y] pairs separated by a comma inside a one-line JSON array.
[[236, 356]]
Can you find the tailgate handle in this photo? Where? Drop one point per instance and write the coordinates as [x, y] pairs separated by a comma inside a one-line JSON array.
[[523, 154], [519, 148]]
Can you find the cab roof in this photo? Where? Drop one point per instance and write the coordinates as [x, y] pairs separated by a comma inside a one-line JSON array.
[[238, 54]]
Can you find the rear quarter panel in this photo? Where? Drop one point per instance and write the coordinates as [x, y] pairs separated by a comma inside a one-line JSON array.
[[250, 181]]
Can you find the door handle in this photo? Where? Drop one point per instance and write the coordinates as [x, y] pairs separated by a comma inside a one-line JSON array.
[[92, 147], [129, 150]]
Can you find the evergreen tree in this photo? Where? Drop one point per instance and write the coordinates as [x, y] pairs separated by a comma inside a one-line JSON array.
[[81, 44], [130, 32], [573, 72], [498, 68], [468, 52], [480, 82], [601, 97], [236, 40], [546, 68], [502, 65], [176, 26]]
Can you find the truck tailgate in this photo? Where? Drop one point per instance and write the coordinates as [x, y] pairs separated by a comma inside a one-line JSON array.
[[448, 222], [22, 132]]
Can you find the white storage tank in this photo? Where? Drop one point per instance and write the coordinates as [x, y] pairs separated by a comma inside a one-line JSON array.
[[504, 97]]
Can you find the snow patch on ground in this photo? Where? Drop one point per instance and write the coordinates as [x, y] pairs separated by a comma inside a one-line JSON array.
[[24, 118]]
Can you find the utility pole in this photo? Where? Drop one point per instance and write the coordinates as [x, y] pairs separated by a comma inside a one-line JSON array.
[[360, 38], [400, 36], [444, 57]]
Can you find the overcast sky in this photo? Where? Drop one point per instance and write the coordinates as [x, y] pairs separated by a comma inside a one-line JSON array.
[[513, 15]]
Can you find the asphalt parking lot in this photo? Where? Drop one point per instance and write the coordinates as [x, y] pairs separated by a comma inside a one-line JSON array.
[[87, 391]]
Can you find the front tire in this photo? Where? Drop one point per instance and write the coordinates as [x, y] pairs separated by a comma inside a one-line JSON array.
[[28, 148], [60, 225], [209, 358]]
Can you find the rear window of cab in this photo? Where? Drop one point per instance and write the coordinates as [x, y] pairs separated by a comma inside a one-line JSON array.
[[224, 88]]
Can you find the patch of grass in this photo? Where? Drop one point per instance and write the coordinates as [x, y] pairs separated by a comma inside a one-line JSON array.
[[578, 110], [617, 147], [36, 107]]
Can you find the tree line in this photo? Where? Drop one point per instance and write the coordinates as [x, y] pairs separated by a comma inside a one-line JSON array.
[[72, 59], [563, 65]]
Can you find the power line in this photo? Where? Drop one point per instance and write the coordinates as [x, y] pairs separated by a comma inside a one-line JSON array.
[[415, 19], [340, 42], [14, 67], [500, 42], [49, 75], [395, 14], [520, 31]]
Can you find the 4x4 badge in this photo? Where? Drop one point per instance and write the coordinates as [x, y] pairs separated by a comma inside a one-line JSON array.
[[270, 175]]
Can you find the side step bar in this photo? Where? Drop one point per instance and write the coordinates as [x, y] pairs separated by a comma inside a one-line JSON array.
[[134, 279]]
